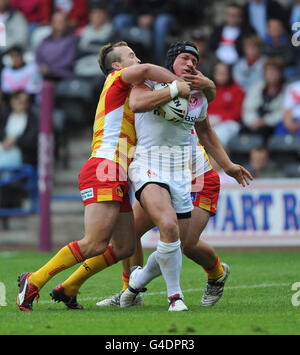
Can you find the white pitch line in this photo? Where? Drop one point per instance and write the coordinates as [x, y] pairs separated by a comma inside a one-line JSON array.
[[264, 285]]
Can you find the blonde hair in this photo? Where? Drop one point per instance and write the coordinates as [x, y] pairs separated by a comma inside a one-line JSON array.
[[107, 56]]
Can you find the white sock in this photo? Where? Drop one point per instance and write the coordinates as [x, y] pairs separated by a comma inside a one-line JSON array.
[[169, 258], [148, 273]]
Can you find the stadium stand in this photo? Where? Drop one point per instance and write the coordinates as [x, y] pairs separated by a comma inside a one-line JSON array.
[[62, 49], [292, 170], [284, 149], [240, 146]]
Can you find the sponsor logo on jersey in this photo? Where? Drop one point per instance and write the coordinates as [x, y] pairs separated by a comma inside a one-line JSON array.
[[193, 196], [87, 193], [151, 173]]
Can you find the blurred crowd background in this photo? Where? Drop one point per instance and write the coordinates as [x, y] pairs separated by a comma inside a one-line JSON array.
[[251, 49]]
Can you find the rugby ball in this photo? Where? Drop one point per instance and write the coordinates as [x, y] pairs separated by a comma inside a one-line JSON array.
[[174, 110]]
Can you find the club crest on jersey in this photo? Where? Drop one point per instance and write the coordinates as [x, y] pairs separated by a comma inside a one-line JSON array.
[[193, 101], [119, 191]]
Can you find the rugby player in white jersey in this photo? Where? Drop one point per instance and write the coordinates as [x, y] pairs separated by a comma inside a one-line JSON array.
[[162, 197]]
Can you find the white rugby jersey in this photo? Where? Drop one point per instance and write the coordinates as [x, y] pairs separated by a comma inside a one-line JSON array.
[[166, 144]]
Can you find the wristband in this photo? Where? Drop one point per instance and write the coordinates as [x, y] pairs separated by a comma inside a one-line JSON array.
[[173, 89]]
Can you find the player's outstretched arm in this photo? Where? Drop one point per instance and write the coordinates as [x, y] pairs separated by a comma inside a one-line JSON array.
[[143, 99], [213, 146], [137, 74]]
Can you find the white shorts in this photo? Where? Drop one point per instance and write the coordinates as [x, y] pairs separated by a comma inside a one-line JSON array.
[[179, 188]]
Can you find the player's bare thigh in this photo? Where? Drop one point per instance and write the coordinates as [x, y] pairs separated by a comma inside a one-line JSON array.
[[156, 201]]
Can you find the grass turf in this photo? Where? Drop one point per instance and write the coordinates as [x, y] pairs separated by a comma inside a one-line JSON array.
[[256, 300]]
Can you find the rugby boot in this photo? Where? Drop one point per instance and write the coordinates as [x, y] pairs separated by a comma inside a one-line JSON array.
[[58, 295]]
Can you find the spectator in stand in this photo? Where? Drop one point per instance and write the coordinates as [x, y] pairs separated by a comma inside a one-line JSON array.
[[263, 105], [278, 44], [76, 11], [258, 12], [291, 111], [152, 17], [226, 39], [20, 76], [32, 10], [55, 55], [98, 31], [225, 110], [207, 59], [260, 165], [18, 133], [249, 69], [16, 26]]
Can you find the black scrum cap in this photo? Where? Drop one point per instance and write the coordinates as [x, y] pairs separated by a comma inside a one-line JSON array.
[[177, 48]]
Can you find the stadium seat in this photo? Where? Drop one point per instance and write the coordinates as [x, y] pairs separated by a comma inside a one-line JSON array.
[[240, 146], [75, 96], [22, 182], [292, 170], [284, 149]]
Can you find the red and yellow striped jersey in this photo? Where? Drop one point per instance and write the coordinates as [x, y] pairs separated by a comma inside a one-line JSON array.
[[114, 135]]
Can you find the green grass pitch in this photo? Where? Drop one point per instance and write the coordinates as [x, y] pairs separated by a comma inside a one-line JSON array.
[[257, 299]]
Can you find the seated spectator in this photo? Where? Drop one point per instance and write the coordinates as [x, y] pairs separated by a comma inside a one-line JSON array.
[[75, 10], [55, 55], [20, 76], [225, 111], [263, 105], [153, 19], [258, 12], [226, 39], [16, 26], [249, 69], [278, 44], [207, 59], [98, 32], [260, 166], [291, 111], [18, 133], [32, 10]]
